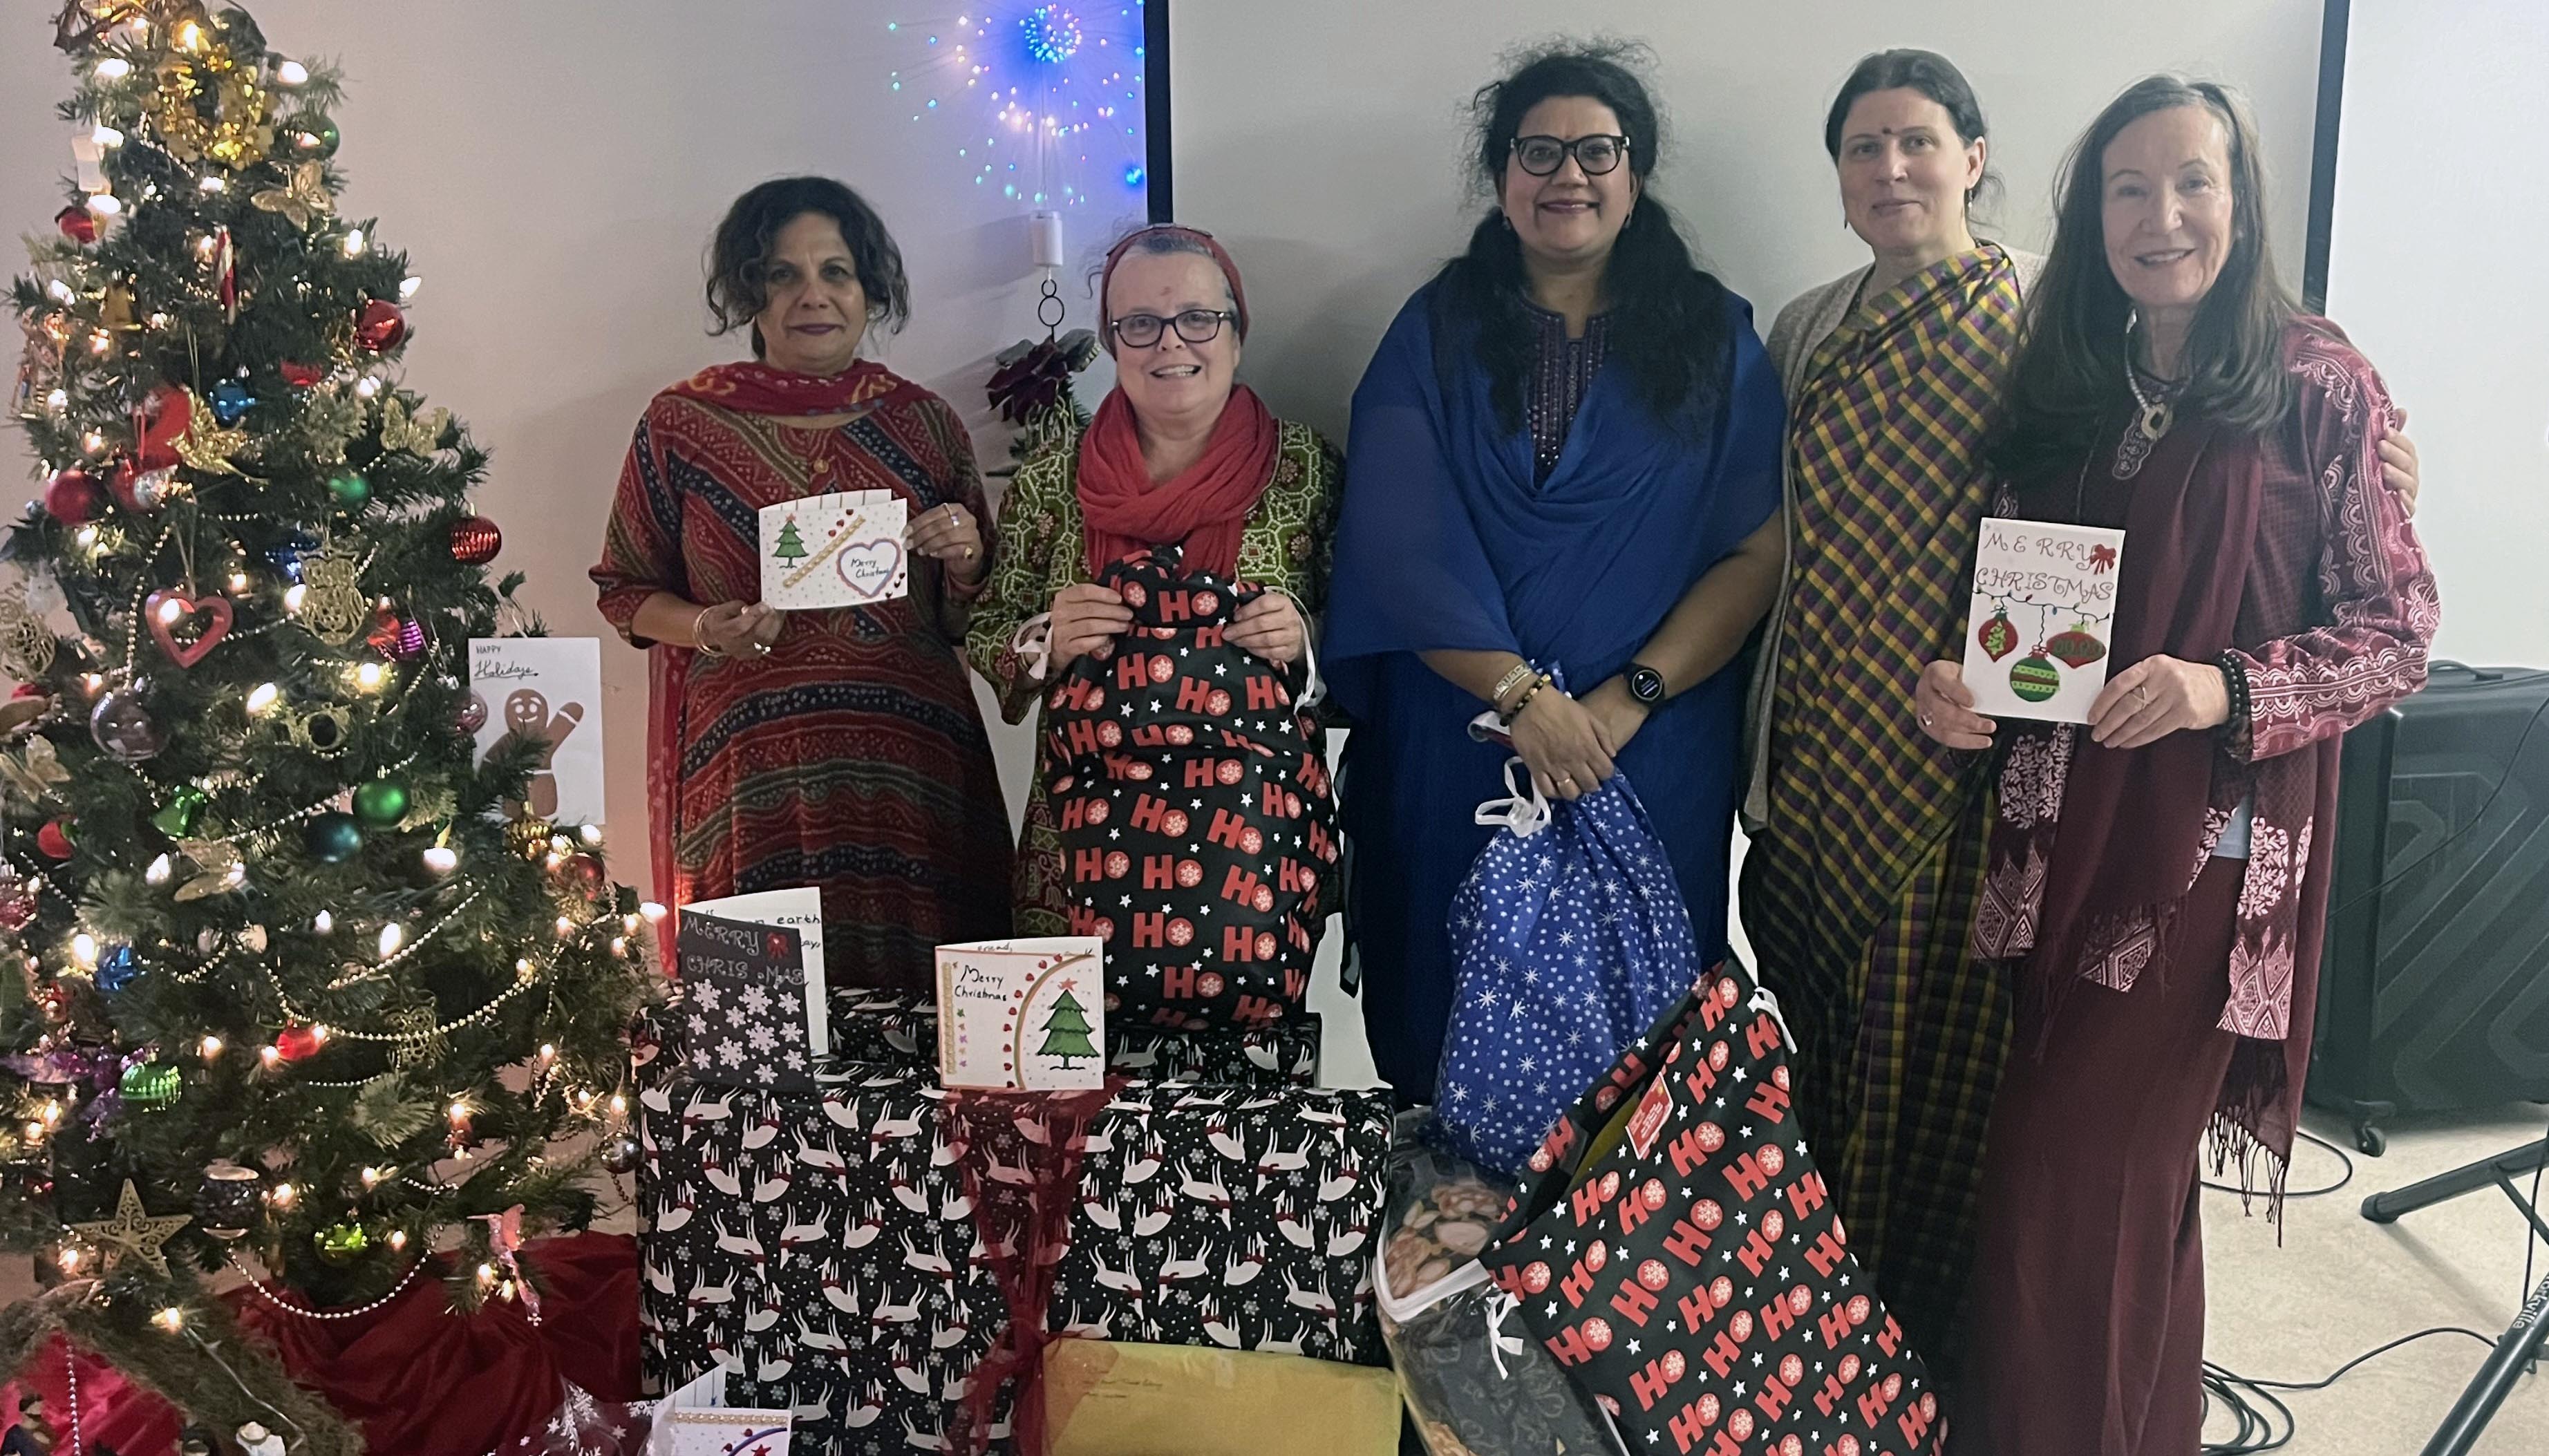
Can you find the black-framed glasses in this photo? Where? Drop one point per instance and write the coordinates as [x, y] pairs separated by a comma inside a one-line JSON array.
[[1596, 154], [1194, 326]]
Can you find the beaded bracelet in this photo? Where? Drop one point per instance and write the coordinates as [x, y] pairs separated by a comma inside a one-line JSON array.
[[1508, 716], [2234, 676]]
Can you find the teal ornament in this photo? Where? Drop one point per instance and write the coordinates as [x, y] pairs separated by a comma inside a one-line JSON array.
[[116, 970], [351, 488], [332, 839], [231, 403]]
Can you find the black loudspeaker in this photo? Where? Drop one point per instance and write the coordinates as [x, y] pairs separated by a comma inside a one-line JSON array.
[[2434, 983]]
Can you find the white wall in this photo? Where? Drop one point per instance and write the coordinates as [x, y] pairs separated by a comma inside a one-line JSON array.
[[2434, 270], [1323, 140], [554, 171]]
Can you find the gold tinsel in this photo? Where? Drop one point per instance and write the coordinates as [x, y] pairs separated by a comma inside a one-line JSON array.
[[238, 134]]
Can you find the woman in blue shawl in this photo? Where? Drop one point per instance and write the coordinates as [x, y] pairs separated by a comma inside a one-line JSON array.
[[1564, 461]]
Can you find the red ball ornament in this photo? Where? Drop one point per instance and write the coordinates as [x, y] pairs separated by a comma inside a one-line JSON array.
[[77, 224], [301, 376], [73, 497], [475, 540], [380, 327], [299, 1042], [55, 838], [586, 873]]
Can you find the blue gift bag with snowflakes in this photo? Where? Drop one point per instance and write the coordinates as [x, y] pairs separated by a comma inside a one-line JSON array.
[[1571, 938]]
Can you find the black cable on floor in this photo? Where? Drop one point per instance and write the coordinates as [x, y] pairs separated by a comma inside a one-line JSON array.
[[2256, 1428], [2307, 1137]]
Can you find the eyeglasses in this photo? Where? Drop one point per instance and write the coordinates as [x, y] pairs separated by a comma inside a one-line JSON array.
[[1595, 153], [1194, 326]]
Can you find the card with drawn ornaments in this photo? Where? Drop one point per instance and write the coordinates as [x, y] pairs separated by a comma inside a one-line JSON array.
[[2042, 618], [834, 550]]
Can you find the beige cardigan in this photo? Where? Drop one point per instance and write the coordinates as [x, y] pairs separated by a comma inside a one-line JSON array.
[[1801, 328]]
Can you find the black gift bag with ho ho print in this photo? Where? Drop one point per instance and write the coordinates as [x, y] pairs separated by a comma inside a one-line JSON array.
[[1189, 787], [1676, 1249]]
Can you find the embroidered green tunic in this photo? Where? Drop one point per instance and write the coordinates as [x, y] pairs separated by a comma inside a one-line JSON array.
[[1285, 545]]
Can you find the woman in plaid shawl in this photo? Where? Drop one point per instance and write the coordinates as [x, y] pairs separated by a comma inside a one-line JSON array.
[[1867, 857]]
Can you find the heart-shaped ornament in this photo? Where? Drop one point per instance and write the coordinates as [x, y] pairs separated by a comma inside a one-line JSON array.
[[170, 608], [871, 568]]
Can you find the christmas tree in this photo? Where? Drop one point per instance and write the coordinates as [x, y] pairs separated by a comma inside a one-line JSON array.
[[293, 999], [790, 546], [1066, 1032]]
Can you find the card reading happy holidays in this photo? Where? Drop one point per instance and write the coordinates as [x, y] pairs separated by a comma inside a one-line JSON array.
[[744, 1018], [827, 551], [546, 691], [2042, 617], [1024, 1015]]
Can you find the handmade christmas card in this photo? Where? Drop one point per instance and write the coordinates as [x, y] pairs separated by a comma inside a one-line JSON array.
[[1025, 1015], [2042, 617], [742, 1017], [548, 691], [801, 910], [827, 551]]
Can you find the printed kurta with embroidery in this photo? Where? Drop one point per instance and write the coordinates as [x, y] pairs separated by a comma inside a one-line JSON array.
[[1285, 546], [852, 758]]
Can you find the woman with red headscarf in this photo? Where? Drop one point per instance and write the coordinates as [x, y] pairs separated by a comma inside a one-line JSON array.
[[1179, 454]]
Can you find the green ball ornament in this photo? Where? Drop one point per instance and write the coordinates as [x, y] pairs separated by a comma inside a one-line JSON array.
[[341, 1243], [380, 803], [149, 1084], [332, 839], [349, 488], [176, 818], [311, 135], [2034, 679]]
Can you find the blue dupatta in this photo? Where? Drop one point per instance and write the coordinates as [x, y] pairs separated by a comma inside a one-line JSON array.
[[1445, 542]]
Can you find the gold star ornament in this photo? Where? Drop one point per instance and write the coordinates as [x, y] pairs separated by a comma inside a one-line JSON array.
[[133, 1231]]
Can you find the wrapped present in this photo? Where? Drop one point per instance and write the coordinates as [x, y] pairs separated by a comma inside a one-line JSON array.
[[1197, 824], [1674, 1249], [900, 1029], [824, 1249], [1475, 1385], [1232, 1217], [1108, 1399]]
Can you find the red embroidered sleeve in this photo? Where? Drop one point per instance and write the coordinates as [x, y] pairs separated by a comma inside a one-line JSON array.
[[2381, 606]]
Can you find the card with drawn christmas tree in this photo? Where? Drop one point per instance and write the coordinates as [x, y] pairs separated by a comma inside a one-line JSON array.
[[2042, 618], [839, 550], [1024, 1016]]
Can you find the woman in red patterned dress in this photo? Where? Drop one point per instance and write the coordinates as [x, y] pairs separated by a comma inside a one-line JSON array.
[[837, 748]]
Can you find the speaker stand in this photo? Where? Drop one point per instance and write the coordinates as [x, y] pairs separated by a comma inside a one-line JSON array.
[[2525, 1338]]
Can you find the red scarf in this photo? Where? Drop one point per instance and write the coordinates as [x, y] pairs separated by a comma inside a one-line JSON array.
[[1202, 509], [759, 389]]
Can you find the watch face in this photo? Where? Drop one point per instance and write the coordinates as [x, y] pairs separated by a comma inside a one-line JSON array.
[[1646, 685]]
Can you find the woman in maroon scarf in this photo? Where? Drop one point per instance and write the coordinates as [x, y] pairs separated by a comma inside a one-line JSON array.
[[836, 748], [2162, 875], [1179, 453]]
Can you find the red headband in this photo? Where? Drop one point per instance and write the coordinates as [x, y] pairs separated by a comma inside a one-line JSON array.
[[1124, 244]]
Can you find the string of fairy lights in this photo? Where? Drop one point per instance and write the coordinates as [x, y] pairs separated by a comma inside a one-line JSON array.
[[1044, 102]]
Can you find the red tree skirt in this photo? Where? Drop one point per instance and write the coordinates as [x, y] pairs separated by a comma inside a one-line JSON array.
[[416, 1379]]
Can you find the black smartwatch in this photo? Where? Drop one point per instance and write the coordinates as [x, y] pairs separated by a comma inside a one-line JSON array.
[[1646, 685]]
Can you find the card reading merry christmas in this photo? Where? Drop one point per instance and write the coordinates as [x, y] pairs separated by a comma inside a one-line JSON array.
[[827, 551], [1024, 1016], [2043, 616]]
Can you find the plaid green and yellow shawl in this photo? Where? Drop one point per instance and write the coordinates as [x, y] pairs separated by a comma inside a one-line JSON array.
[[1859, 889]]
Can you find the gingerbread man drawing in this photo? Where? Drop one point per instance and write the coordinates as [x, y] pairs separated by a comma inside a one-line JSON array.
[[527, 719]]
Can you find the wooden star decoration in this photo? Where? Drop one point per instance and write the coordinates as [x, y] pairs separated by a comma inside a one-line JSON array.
[[133, 1230]]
